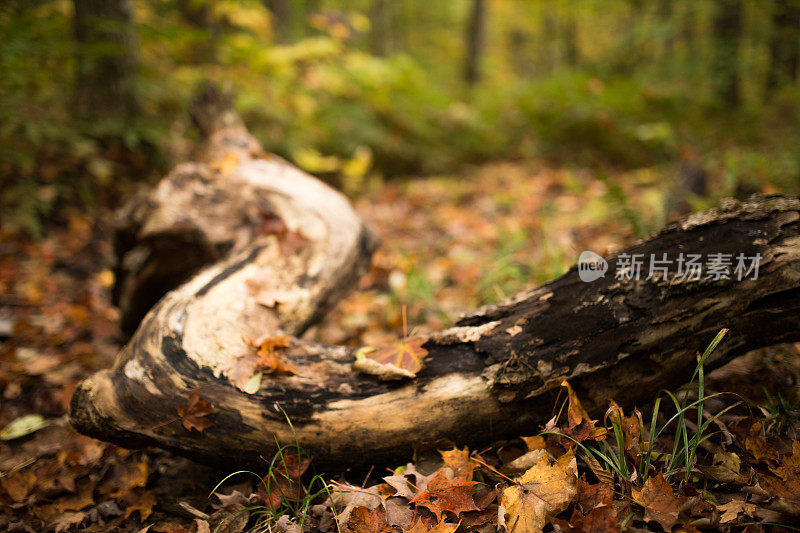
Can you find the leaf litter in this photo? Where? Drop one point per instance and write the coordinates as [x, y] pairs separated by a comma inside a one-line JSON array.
[[439, 258]]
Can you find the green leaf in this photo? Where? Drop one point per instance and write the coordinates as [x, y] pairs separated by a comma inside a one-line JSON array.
[[24, 425], [253, 384]]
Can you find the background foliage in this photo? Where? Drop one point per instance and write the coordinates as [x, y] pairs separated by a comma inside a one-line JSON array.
[[357, 90]]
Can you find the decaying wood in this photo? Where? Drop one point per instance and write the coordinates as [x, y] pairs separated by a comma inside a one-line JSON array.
[[216, 206], [493, 375]]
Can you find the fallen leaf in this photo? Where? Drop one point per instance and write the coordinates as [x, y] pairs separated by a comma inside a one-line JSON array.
[[459, 462], [253, 384], [731, 510], [579, 425], [270, 354], [283, 482], [603, 475], [133, 476], [534, 443], [284, 524], [441, 527], [233, 501], [193, 416], [345, 498], [24, 425], [631, 427], [592, 496], [401, 359], [442, 494], [787, 492], [725, 468], [789, 467], [144, 505], [598, 519], [365, 520], [400, 484], [659, 501], [756, 443], [398, 512], [522, 463], [543, 491], [68, 520], [18, 484]]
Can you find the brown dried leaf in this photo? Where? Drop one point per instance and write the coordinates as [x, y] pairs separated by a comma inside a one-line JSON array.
[[731, 510], [193, 416], [400, 484], [789, 467], [756, 443], [144, 506], [18, 484], [593, 496], [365, 520], [284, 484], [659, 502], [441, 527], [598, 519], [631, 430], [579, 425], [725, 468]]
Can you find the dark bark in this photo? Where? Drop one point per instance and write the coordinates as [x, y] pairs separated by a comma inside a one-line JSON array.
[[725, 70], [105, 58], [784, 44], [474, 39]]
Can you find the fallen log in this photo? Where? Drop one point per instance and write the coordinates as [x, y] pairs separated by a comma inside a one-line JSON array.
[[493, 375]]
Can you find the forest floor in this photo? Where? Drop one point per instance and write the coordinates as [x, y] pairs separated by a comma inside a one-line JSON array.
[[449, 245]]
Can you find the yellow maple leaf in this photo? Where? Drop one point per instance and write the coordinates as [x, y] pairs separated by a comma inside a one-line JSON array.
[[544, 490]]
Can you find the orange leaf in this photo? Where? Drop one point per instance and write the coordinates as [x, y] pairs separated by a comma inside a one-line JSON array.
[[580, 426], [270, 359], [401, 359], [459, 462], [442, 494], [144, 506], [193, 415]]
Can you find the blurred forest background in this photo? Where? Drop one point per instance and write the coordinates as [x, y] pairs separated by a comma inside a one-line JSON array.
[[702, 93]]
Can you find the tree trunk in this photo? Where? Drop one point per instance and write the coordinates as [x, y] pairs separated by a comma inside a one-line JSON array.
[[725, 67], [105, 59], [281, 22], [379, 35], [570, 32], [475, 37], [494, 375], [784, 44]]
